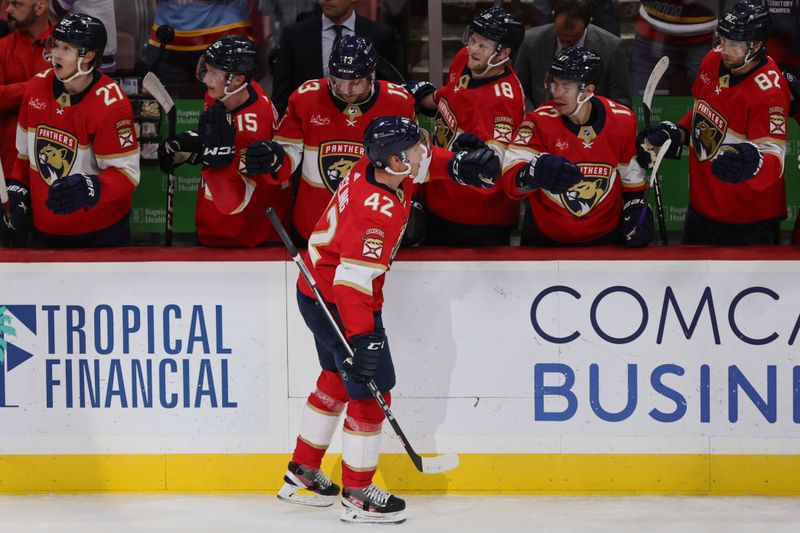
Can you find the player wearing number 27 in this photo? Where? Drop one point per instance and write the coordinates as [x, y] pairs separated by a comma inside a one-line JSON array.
[[78, 157], [736, 132]]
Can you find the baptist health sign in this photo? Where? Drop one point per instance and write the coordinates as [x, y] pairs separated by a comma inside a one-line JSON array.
[[141, 358]]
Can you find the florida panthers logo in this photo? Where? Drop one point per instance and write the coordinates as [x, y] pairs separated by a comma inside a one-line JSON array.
[[55, 153], [336, 158], [445, 124], [582, 197], [708, 131]]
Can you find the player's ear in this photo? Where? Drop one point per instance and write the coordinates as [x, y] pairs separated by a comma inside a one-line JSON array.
[[590, 88], [504, 53]]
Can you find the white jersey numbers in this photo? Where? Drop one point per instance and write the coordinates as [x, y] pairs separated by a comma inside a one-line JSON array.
[[379, 202], [324, 237], [504, 89], [765, 83], [106, 90]]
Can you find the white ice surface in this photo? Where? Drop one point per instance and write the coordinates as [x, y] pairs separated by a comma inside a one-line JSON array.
[[435, 514]]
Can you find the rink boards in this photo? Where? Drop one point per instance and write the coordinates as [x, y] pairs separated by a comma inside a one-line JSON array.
[[595, 371]]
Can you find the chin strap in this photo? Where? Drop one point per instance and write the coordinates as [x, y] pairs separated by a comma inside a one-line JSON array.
[[78, 73], [748, 58], [424, 165], [228, 82], [581, 102], [369, 96], [490, 65]]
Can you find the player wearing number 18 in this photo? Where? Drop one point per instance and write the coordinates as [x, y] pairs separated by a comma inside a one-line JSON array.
[[736, 132], [78, 157]]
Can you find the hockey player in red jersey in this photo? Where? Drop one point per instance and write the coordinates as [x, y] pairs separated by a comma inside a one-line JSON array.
[[574, 160], [232, 196], [324, 124], [78, 157], [736, 132], [349, 253], [482, 101]]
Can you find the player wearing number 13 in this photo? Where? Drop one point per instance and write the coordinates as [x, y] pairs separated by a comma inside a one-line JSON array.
[[78, 157], [736, 132]]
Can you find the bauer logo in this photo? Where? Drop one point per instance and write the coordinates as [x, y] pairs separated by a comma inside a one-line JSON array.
[[16, 321]]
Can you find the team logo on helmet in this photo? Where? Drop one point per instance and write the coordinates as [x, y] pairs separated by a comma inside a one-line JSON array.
[[582, 197], [445, 124], [55, 153], [708, 131], [336, 158]]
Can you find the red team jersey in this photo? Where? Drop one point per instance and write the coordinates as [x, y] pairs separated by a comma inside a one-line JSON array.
[[91, 132], [730, 110], [605, 151], [491, 109], [326, 135], [230, 203], [356, 239]]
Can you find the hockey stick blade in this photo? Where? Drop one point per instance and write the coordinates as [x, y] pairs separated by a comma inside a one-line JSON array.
[[3, 190], [659, 157], [650, 88], [158, 91], [426, 465]]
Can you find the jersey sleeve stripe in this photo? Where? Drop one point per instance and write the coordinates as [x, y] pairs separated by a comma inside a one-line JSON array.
[[631, 174], [517, 154], [249, 188], [357, 276]]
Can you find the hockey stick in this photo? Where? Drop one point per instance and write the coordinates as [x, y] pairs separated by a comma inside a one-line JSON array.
[[164, 33], [654, 181], [647, 102], [426, 465], [157, 90], [4, 205]]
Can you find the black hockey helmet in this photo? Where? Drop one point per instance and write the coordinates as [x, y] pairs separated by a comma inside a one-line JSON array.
[[745, 21], [578, 64], [352, 58], [388, 136], [234, 54], [82, 30], [499, 25]]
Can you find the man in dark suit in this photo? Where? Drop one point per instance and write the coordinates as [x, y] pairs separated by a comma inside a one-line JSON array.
[[305, 46], [571, 27]]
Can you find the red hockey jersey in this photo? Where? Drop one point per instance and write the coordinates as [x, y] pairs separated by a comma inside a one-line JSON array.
[[728, 110], [325, 135], [491, 109], [605, 151], [230, 203], [356, 239], [60, 134]]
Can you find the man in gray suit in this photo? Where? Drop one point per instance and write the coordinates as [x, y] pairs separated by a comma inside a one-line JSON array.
[[571, 27]]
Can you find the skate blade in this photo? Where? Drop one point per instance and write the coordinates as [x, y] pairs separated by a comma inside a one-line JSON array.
[[292, 494], [357, 516]]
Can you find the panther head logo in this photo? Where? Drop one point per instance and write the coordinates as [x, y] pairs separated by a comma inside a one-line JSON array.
[[55, 161], [339, 169], [584, 196], [56, 152]]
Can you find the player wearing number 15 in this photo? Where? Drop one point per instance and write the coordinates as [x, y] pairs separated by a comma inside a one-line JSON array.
[[78, 157], [736, 132]]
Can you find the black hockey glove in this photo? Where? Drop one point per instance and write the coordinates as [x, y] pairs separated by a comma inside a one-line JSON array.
[[637, 227], [467, 141], [419, 90], [218, 136], [479, 168], [550, 172], [736, 163], [174, 151], [367, 352], [73, 192], [647, 144], [794, 86], [264, 157], [415, 227], [17, 216]]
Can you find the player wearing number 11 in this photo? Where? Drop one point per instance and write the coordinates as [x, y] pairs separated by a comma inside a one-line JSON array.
[[78, 157]]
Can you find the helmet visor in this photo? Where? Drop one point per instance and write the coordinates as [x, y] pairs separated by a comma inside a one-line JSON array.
[[209, 76]]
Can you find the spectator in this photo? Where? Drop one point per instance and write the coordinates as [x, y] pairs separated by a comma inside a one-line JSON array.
[[571, 27], [78, 160], [682, 30], [306, 46], [232, 200], [784, 40], [101, 9], [605, 13], [21, 56], [196, 25]]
